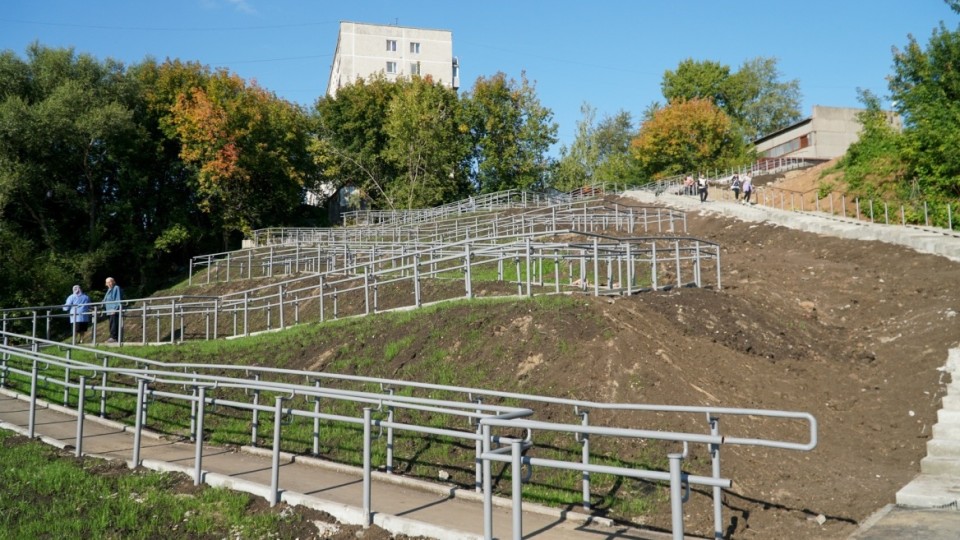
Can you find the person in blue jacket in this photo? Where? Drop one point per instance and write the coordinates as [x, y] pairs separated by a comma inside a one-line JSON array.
[[111, 303], [78, 306]]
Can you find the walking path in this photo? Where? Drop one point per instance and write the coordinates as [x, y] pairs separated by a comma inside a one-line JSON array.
[[925, 240], [401, 505]]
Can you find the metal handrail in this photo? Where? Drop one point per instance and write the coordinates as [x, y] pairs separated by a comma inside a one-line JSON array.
[[470, 404]]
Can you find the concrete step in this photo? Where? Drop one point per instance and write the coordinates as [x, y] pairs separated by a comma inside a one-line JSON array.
[[949, 432], [953, 360], [951, 402], [943, 448], [927, 491], [949, 466]]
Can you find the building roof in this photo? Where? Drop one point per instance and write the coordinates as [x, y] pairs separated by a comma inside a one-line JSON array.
[[769, 136]]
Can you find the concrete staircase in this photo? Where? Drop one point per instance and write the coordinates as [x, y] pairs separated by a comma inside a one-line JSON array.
[[938, 485]]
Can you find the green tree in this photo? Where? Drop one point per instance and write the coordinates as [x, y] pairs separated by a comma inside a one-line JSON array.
[[873, 165], [512, 133], [428, 143], [755, 97], [926, 88], [693, 79], [68, 147], [352, 138], [599, 153], [686, 136]]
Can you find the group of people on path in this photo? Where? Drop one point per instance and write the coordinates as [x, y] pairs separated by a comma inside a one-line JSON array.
[[746, 185], [702, 187], [79, 306]]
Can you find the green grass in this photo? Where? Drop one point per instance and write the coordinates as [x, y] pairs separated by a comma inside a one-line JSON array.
[[47, 497], [415, 454]]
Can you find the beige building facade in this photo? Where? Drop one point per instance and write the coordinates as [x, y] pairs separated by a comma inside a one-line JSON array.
[[364, 50], [824, 135]]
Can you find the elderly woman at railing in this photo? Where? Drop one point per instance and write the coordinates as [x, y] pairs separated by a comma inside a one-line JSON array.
[[111, 302], [78, 306]]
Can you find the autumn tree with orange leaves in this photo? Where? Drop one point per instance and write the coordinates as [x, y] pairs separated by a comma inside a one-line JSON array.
[[686, 136], [249, 149]]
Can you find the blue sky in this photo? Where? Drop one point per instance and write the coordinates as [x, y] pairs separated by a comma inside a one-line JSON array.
[[610, 54]]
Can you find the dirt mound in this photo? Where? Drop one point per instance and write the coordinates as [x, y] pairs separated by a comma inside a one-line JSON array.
[[801, 180]]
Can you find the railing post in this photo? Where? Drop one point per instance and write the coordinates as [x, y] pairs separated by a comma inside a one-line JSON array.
[[321, 298], [367, 479], [255, 419], [596, 267], [516, 488], [717, 490], [280, 304], [416, 279], [585, 456], [32, 418], [138, 430], [103, 391], [676, 496], [246, 312], [198, 454], [467, 281], [316, 421], [487, 485], [275, 461], [81, 394]]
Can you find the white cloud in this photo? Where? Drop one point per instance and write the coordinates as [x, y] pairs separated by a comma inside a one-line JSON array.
[[242, 6]]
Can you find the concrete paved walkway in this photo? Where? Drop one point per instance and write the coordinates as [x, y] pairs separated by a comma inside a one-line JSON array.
[[934, 241], [402, 506]]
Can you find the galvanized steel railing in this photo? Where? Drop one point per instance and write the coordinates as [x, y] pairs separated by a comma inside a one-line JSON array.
[[353, 283], [23, 362]]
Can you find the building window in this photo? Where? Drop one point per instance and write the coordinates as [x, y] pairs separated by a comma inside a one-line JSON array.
[[391, 67], [392, 45], [783, 149], [414, 47], [414, 68]]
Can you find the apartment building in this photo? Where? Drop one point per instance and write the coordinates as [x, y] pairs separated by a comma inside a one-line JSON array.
[[364, 50]]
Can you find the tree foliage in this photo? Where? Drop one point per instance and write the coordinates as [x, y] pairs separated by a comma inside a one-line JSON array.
[[352, 139], [428, 144], [685, 136], [249, 148], [100, 168], [414, 142], [926, 88], [873, 165], [511, 133], [599, 153], [755, 97], [108, 169]]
